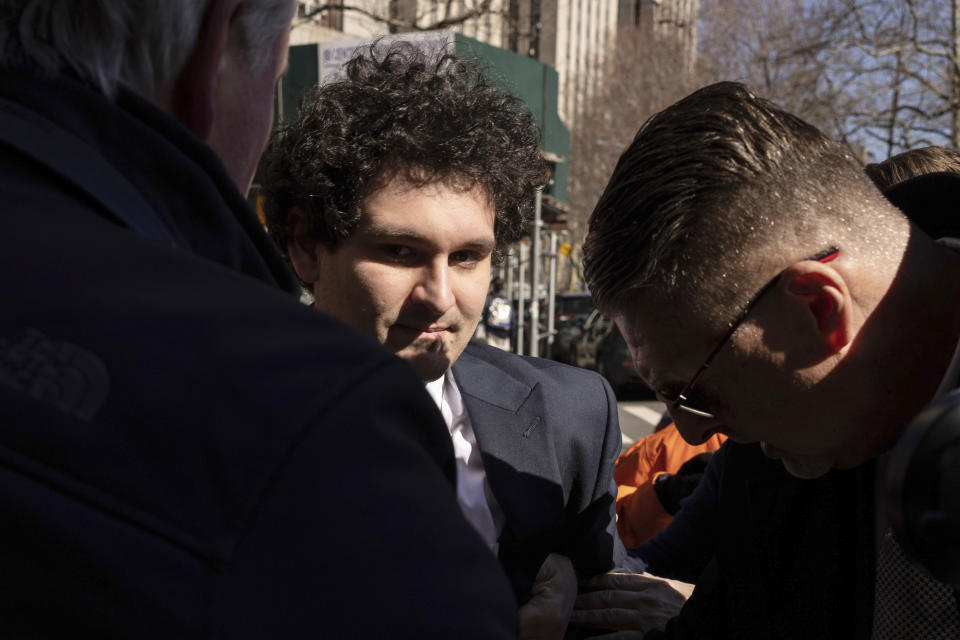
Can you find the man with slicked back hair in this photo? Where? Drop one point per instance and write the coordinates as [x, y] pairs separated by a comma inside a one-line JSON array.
[[768, 291]]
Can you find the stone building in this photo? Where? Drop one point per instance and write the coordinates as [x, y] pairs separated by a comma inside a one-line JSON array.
[[573, 36]]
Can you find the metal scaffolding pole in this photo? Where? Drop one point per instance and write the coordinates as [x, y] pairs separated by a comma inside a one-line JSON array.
[[551, 294], [510, 266], [535, 257], [520, 302]]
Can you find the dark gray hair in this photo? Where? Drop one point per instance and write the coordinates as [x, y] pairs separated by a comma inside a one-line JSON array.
[[142, 44], [719, 191]]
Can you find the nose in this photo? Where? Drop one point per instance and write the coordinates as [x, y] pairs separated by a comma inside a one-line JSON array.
[[433, 288], [694, 429]]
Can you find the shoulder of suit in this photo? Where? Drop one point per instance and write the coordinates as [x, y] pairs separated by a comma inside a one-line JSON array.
[[529, 366]]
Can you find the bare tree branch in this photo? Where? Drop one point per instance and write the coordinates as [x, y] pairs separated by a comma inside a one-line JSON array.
[[482, 8]]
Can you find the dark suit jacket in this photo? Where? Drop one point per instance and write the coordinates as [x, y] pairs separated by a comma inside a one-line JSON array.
[[186, 451], [549, 436], [684, 548]]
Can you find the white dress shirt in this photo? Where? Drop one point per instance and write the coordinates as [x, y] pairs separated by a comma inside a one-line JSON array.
[[473, 492]]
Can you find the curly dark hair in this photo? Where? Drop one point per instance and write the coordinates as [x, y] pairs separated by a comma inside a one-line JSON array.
[[401, 111]]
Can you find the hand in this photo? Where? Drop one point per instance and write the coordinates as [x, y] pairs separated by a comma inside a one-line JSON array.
[[546, 614], [695, 465], [629, 602], [673, 488]]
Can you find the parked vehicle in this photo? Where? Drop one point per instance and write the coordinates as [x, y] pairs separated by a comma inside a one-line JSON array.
[[570, 306], [595, 328], [564, 348], [601, 347], [571, 310]]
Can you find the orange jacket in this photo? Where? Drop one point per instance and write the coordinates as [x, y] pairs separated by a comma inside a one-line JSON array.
[[640, 516]]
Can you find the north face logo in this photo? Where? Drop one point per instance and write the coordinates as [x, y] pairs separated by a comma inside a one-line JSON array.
[[70, 378]]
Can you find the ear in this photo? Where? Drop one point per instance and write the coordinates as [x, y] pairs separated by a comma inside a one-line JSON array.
[[193, 93], [304, 249], [823, 294]]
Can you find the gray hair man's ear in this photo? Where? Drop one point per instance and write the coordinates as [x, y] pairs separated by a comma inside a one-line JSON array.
[[193, 93]]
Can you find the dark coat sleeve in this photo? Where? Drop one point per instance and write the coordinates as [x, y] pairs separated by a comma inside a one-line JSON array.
[[361, 536], [595, 545], [789, 555], [683, 549]]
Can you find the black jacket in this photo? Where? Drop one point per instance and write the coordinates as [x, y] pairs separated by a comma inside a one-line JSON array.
[[185, 450], [793, 559]]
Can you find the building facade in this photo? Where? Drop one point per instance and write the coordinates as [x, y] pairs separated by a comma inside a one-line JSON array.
[[575, 37]]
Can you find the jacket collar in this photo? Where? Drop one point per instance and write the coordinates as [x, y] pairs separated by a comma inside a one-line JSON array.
[[179, 176]]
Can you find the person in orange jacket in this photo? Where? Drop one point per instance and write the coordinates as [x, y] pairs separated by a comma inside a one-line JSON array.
[[652, 476]]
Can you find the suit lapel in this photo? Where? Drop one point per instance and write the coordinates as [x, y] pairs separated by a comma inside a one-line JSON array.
[[514, 440]]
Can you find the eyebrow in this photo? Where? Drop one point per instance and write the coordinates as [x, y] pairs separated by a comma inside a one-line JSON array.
[[381, 232]]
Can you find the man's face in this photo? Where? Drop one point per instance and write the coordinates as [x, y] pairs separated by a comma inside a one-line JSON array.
[[244, 105], [414, 274], [751, 394]]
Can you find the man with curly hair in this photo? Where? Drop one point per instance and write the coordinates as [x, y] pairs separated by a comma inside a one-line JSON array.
[[393, 193]]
